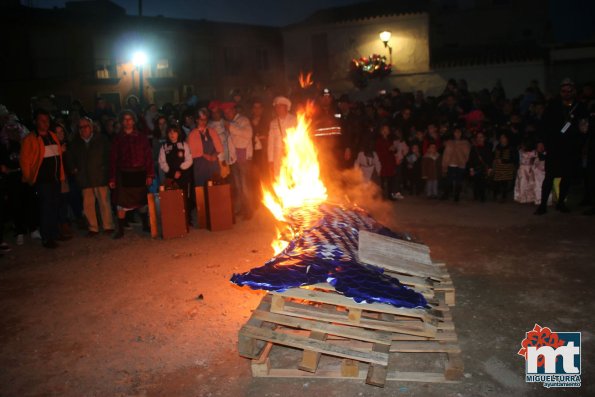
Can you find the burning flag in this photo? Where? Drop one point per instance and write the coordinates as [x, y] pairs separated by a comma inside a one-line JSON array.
[[320, 240]]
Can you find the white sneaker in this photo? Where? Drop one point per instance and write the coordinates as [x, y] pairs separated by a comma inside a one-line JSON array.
[[399, 196], [20, 239], [35, 234]]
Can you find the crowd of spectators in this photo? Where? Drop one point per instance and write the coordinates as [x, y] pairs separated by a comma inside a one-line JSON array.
[[94, 168]]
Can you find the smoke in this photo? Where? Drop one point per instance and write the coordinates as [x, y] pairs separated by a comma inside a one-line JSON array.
[[351, 188]]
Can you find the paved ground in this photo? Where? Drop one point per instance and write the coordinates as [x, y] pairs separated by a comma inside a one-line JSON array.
[[122, 318]]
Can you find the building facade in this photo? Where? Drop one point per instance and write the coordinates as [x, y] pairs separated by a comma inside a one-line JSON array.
[[432, 41], [84, 51]]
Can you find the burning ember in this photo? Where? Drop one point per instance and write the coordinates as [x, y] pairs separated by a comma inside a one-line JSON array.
[[298, 184], [305, 81]]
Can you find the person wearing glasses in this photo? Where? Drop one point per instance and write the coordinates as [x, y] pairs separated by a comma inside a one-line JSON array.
[[89, 154]]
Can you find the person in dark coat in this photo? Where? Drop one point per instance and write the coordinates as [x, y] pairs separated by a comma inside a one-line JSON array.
[[504, 167], [480, 166], [89, 154], [562, 139]]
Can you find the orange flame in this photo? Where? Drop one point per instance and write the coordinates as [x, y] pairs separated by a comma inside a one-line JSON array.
[[305, 81], [298, 183]]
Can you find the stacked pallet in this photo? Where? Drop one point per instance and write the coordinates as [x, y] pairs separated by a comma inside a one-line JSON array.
[[314, 332]]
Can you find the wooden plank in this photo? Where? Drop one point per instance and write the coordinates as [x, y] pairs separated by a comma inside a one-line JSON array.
[[152, 215], [331, 372], [349, 368], [377, 373], [428, 346], [340, 300], [419, 283], [201, 207], [219, 207], [332, 329], [387, 253], [354, 315], [262, 365], [449, 298], [172, 205], [250, 347], [445, 336], [311, 358], [277, 303], [454, 368], [427, 292], [314, 345], [416, 328], [402, 249]]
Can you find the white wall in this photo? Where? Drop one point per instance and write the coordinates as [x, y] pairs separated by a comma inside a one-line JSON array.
[[515, 78], [348, 40]]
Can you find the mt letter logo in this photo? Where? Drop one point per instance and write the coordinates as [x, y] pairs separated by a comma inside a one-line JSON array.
[[552, 358]]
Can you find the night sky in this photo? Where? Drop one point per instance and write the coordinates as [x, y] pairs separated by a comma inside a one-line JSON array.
[[260, 12], [572, 19]]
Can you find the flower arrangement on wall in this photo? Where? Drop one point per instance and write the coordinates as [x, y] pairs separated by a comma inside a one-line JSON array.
[[365, 68]]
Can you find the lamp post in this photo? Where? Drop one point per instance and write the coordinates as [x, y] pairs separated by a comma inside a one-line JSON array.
[[139, 59], [385, 37]]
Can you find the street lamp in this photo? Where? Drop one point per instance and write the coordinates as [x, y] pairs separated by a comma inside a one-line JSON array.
[[139, 59], [385, 37]]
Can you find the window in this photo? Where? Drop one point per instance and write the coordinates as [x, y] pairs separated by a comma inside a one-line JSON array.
[[163, 69], [104, 65], [105, 69]]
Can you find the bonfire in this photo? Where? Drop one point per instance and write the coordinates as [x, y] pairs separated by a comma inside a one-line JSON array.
[[317, 240]]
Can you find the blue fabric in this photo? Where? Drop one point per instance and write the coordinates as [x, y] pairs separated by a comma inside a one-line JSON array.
[[203, 170], [325, 250]]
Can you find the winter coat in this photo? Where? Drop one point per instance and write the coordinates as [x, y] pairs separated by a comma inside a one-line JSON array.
[[456, 153], [32, 154], [90, 160]]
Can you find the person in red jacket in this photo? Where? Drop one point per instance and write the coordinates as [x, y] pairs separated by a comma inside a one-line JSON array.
[[43, 168], [131, 171], [385, 150]]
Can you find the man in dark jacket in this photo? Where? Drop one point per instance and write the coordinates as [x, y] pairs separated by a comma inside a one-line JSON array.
[[562, 139], [90, 158]]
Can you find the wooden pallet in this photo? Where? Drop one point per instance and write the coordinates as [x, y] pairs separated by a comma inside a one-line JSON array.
[[315, 332], [409, 262], [355, 339]]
